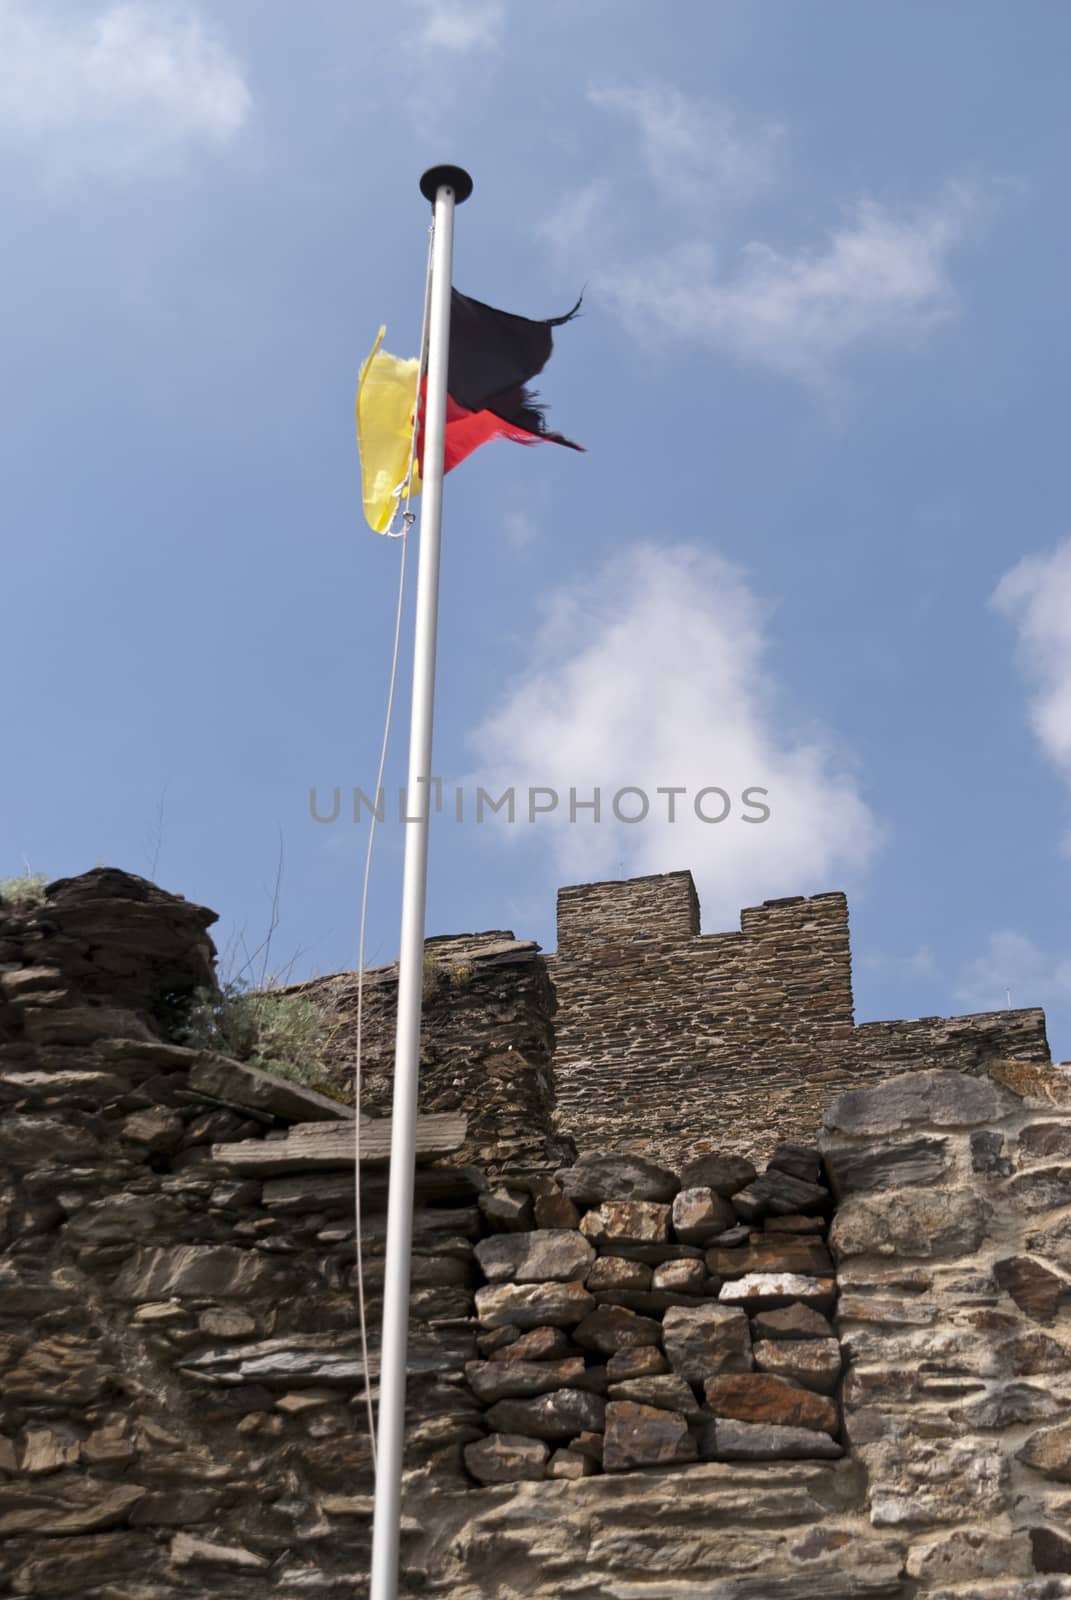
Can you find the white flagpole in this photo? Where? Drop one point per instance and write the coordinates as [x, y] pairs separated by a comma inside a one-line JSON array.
[[445, 187]]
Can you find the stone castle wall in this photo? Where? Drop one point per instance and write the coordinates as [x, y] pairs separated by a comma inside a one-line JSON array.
[[487, 1042], [182, 1386], [670, 1042], [951, 1243]]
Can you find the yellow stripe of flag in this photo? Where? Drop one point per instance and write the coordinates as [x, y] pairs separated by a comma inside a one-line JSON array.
[[386, 397]]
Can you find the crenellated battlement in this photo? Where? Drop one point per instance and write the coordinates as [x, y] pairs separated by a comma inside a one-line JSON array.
[[668, 1038]]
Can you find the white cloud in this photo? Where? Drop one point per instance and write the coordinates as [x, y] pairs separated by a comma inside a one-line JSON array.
[[128, 88], [461, 26], [690, 150], [920, 965], [519, 529], [574, 228], [654, 675], [878, 277], [1013, 962], [1036, 596]]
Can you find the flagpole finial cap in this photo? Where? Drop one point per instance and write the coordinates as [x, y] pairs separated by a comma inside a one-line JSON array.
[[455, 178]]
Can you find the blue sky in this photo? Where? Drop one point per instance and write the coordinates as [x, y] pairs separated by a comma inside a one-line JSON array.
[[820, 544]]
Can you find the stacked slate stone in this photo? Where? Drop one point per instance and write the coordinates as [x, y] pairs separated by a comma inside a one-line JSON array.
[[633, 1318]]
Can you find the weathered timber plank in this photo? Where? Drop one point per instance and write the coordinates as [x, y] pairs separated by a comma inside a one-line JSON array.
[[436, 1135]]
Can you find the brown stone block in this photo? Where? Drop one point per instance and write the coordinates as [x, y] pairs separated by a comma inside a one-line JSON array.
[[519, 1380], [706, 1340], [791, 1322], [559, 1415], [539, 1344], [545, 1255], [1049, 1452], [533, 1305], [814, 1363], [507, 1458], [627, 1222], [667, 1392], [616, 1272], [780, 1254], [639, 1362], [644, 1436], [609, 1329], [1036, 1290], [762, 1397]]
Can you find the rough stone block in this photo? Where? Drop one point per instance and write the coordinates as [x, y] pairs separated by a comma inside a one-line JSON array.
[[1036, 1290], [1007, 1406], [507, 1210], [929, 1478], [1043, 1140], [763, 1291], [890, 1164], [887, 1313], [1035, 1083], [911, 1223], [699, 1215], [47, 1450], [639, 1362], [554, 1255], [969, 1553], [520, 1380], [531, 1305], [595, 1178], [189, 1551], [1053, 1240], [589, 1444], [762, 1397], [667, 1392], [708, 1340], [808, 1257], [32, 1140], [609, 1329], [792, 1322], [559, 1415], [616, 1272], [988, 1155], [729, 1440], [571, 1464], [815, 1363], [72, 1505], [154, 1130], [940, 1098], [626, 1222], [801, 1160], [539, 1344], [653, 1302], [1049, 1451], [644, 1436], [681, 1277], [1050, 1551], [778, 1192], [1041, 1188], [205, 1272], [555, 1210]]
